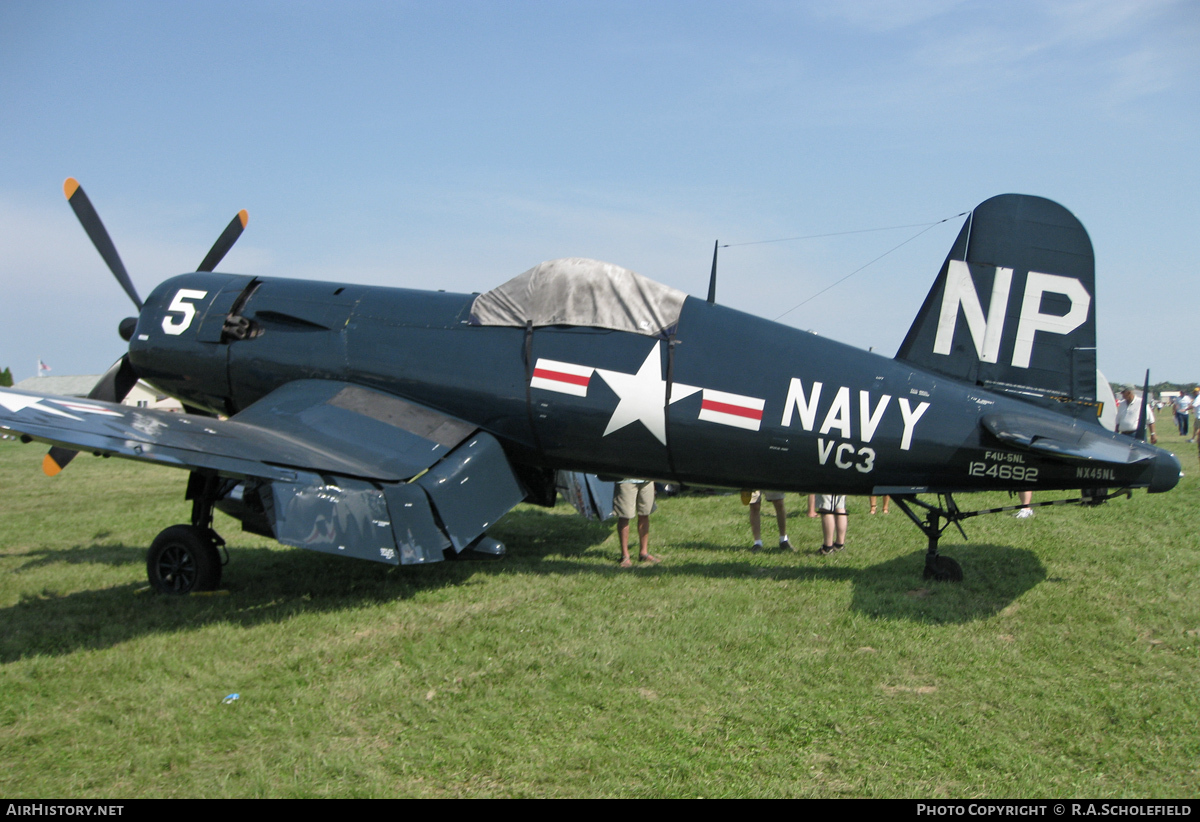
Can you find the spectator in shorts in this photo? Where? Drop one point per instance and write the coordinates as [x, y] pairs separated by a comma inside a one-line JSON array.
[[634, 497], [832, 508], [754, 500]]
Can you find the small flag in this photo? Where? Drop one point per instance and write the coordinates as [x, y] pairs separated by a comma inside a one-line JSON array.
[[43, 369]]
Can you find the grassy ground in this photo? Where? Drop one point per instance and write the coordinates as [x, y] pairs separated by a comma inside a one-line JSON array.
[[1065, 665]]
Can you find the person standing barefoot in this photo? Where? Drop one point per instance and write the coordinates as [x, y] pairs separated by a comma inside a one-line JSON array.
[[634, 497]]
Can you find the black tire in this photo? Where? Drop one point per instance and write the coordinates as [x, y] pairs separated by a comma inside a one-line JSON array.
[[944, 569], [183, 559]]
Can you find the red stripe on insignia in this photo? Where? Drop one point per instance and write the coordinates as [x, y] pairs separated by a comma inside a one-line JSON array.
[[559, 376], [726, 408]]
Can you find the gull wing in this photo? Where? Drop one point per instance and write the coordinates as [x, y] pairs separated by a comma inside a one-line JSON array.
[[331, 466]]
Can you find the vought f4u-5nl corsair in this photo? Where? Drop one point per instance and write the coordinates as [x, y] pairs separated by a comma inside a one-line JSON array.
[[398, 425]]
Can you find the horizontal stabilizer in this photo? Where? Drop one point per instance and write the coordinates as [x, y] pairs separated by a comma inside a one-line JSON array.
[[1066, 438]]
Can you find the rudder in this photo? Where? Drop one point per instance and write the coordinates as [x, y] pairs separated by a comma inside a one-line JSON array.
[[1013, 308]]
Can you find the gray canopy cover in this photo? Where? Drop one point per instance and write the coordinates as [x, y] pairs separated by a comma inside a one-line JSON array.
[[578, 291]]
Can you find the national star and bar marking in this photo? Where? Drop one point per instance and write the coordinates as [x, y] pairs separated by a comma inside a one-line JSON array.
[[643, 395], [17, 402], [86, 408]]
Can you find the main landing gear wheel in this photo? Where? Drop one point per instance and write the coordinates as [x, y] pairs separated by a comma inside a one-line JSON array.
[[943, 569], [182, 559]]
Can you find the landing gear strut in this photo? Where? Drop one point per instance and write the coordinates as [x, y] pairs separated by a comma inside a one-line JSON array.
[[944, 569], [937, 567], [184, 558]]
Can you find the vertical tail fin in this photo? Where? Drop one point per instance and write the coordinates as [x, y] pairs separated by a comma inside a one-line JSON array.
[[1013, 308]]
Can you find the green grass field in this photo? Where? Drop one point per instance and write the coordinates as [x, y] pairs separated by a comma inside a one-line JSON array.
[[1066, 665]]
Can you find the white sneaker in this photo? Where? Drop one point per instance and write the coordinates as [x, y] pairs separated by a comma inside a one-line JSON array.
[[1024, 513]]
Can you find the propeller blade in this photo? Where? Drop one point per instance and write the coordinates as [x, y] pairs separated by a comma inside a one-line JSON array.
[[225, 242], [114, 386], [116, 383], [91, 223]]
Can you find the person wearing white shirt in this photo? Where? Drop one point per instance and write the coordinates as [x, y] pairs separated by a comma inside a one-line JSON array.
[[1182, 403], [1128, 409]]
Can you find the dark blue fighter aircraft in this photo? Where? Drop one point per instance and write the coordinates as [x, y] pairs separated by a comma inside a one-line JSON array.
[[398, 425]]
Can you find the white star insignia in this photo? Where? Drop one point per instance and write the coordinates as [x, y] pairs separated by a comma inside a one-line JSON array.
[[15, 402], [643, 396]]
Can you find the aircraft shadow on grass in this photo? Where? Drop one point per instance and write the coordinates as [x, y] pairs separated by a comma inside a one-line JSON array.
[[545, 543], [272, 585], [892, 590], [98, 553]]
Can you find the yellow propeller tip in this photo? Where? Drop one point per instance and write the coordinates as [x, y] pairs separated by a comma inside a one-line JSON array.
[[244, 216], [49, 467], [70, 186]]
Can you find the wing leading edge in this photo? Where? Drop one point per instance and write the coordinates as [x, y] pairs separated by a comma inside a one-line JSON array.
[[324, 465]]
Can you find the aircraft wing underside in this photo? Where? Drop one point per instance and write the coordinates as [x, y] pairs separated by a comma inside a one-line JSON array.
[[332, 466]]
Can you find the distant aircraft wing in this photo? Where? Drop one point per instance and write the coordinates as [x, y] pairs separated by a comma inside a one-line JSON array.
[[332, 466]]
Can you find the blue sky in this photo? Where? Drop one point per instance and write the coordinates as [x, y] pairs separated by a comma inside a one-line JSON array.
[[455, 144]]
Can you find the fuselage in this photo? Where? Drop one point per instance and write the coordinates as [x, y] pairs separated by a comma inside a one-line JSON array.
[[751, 403]]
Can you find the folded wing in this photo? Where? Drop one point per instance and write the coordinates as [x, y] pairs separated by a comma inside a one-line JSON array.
[[319, 464]]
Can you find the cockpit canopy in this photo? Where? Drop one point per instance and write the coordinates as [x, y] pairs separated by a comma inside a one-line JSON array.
[[581, 292]]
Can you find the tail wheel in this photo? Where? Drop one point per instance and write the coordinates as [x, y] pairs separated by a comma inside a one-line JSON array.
[[943, 569], [182, 559]]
